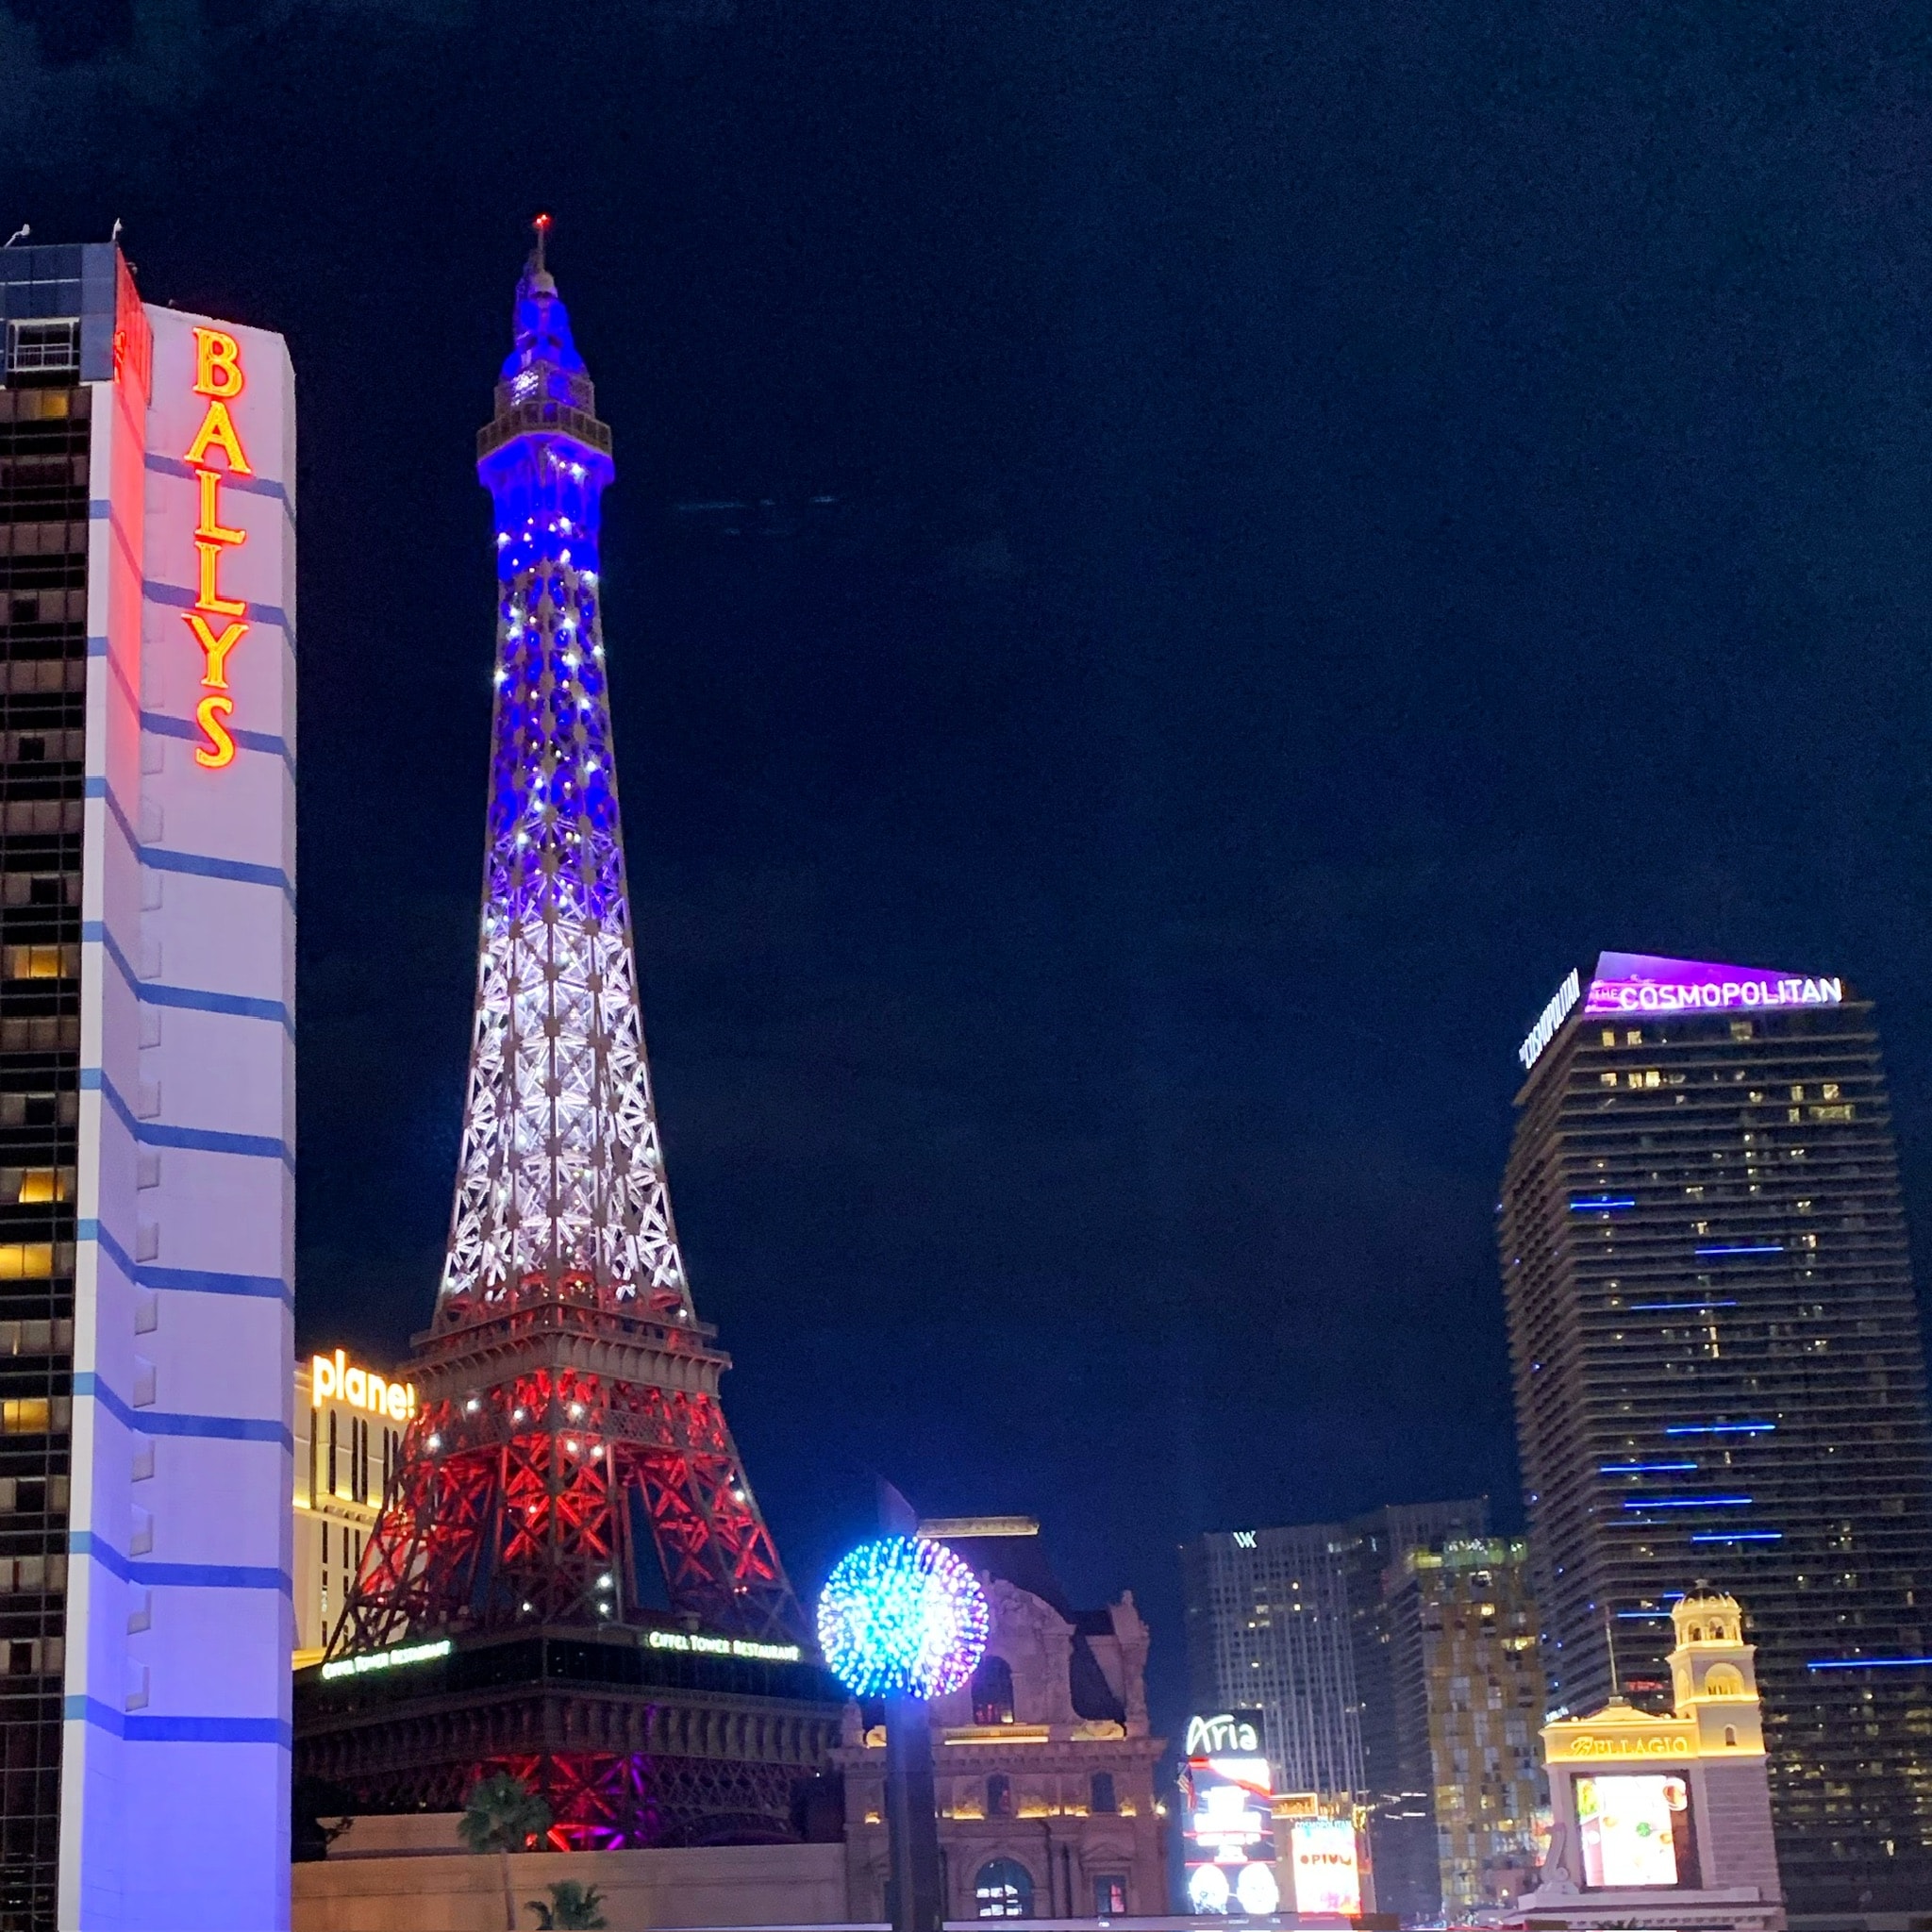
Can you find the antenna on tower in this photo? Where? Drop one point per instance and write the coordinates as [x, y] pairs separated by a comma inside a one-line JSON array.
[[541, 225]]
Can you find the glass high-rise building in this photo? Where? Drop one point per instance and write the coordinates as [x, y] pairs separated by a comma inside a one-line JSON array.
[[1291, 1622], [1719, 1374]]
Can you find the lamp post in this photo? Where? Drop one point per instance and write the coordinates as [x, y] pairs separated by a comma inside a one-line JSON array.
[[903, 1618]]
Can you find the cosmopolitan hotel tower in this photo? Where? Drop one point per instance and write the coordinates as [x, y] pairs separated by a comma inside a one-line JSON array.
[[1719, 1375], [147, 924]]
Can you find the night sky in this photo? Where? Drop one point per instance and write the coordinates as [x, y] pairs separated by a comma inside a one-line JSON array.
[[1340, 511]]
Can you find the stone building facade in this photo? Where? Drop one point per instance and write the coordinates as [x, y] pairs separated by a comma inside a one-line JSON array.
[[1043, 1767]]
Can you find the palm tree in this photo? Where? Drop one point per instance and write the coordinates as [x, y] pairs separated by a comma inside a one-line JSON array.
[[572, 1908], [503, 1814]]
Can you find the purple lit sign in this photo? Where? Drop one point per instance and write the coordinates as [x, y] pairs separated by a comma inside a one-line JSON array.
[[1637, 983]]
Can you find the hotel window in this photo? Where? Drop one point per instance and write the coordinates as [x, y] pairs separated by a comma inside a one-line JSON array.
[[36, 347], [1110, 1893], [999, 1798], [1003, 1889], [1100, 1792], [992, 1692]]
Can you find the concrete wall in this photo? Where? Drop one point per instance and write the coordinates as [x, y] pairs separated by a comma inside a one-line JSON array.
[[408, 1876]]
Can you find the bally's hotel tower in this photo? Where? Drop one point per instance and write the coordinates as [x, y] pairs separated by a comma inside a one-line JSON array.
[[1719, 1375], [147, 921]]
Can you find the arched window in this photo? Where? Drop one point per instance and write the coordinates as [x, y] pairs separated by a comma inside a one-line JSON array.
[[1003, 1889], [1731, 1736], [999, 1795], [992, 1692], [1724, 1680], [1697, 1633], [1100, 1796]]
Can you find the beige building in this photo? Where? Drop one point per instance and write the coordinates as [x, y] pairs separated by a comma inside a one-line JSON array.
[[1043, 1767], [1665, 1820], [349, 1423]]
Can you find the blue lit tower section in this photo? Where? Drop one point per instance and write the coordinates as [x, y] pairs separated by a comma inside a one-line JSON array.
[[561, 1178]]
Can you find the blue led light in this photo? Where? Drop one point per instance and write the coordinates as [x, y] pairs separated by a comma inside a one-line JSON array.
[[1867, 1663], [1641, 1467], [1686, 1502], [1743, 1248], [1720, 1428], [1738, 1536], [1688, 1308], [1643, 1616], [902, 1617], [1601, 1204]]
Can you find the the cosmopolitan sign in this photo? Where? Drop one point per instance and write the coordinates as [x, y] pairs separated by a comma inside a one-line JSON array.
[[1562, 1002], [1637, 983]]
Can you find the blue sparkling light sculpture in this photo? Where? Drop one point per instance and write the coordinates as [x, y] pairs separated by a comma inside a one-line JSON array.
[[902, 1617]]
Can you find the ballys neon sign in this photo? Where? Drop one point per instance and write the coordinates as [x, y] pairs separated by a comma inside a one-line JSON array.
[[218, 378]]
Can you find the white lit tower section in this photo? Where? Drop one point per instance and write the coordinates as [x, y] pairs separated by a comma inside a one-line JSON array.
[[175, 1744]]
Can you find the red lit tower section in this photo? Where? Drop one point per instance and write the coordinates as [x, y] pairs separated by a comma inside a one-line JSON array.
[[570, 1442]]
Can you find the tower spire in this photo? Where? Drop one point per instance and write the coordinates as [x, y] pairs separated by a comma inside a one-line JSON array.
[[569, 1394], [541, 225]]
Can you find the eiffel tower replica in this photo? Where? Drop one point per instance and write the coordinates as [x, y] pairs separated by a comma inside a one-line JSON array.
[[569, 1448]]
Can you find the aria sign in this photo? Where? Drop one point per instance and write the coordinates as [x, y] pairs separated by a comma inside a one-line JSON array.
[[1208, 1737], [1561, 1003], [218, 623]]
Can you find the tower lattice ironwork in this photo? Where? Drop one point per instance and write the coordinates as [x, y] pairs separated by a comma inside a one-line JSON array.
[[569, 1425]]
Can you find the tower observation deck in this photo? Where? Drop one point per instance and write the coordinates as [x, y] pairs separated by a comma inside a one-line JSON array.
[[569, 1498]]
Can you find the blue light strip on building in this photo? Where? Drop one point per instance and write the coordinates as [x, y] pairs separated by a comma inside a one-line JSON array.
[[1641, 1467], [1643, 1616], [1720, 1428], [1601, 1204], [1743, 1248], [1686, 1307], [1687, 1503], [1738, 1536], [1868, 1663]]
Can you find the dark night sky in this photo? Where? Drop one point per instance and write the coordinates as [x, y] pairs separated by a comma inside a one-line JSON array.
[[1344, 509]]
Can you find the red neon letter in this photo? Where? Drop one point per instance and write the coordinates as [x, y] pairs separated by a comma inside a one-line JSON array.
[[218, 427], [211, 598], [214, 649], [210, 529], [217, 363], [220, 749]]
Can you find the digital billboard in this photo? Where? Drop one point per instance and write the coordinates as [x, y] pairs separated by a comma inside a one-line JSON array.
[[1327, 1879], [1227, 1808], [1632, 1830]]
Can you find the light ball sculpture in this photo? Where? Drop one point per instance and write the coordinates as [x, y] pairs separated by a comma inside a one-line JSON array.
[[902, 1617]]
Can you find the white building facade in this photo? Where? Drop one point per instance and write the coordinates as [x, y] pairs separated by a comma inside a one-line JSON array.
[[174, 1740]]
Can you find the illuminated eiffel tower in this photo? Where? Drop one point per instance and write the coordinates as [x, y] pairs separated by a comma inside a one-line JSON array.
[[569, 1434]]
